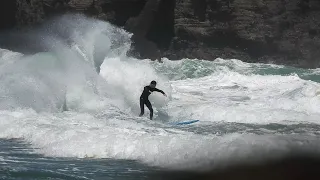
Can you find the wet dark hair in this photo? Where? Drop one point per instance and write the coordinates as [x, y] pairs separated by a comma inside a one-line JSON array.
[[153, 82]]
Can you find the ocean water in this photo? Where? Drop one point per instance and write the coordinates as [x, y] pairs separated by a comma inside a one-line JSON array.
[[70, 110]]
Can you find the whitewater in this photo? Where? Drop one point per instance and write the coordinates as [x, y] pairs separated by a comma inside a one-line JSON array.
[[76, 99]]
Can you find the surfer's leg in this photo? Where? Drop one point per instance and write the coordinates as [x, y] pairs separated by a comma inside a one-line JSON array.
[[148, 104], [141, 107]]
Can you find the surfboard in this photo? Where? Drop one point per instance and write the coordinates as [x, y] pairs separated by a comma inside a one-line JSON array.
[[185, 122]]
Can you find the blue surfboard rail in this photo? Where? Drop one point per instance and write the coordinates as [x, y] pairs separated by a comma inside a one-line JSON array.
[[185, 122]]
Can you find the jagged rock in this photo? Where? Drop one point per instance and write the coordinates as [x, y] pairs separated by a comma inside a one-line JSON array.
[[278, 31], [283, 32], [29, 12]]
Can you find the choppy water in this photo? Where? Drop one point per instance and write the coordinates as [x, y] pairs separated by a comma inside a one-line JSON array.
[[246, 111]]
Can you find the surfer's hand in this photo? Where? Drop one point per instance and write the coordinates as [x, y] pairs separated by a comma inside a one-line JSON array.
[[165, 95]]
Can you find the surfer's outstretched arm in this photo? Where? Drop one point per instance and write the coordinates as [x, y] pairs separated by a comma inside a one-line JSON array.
[[160, 91]]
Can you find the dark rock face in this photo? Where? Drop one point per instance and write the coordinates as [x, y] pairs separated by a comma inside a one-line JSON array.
[[29, 12], [273, 31], [140, 26], [7, 14], [284, 32]]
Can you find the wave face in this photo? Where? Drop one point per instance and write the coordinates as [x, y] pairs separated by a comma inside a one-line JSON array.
[[77, 96]]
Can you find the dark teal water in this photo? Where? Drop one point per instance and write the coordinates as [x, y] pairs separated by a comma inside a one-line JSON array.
[[17, 161]]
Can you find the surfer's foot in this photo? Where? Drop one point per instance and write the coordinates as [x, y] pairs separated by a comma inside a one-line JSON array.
[[140, 115]]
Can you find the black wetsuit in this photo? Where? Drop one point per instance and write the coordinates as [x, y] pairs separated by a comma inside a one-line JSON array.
[[145, 101]]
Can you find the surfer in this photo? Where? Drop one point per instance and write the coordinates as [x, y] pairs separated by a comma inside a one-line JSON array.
[[144, 97]]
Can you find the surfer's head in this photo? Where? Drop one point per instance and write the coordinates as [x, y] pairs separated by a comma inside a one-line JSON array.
[[153, 84]]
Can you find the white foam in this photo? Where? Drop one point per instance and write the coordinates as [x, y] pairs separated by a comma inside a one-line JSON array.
[[7, 56], [66, 74], [82, 135], [233, 97]]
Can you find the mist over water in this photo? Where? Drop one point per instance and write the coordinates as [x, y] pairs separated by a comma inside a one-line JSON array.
[[78, 96]]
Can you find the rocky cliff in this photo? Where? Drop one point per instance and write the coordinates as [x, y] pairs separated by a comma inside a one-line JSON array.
[[279, 31], [273, 31]]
